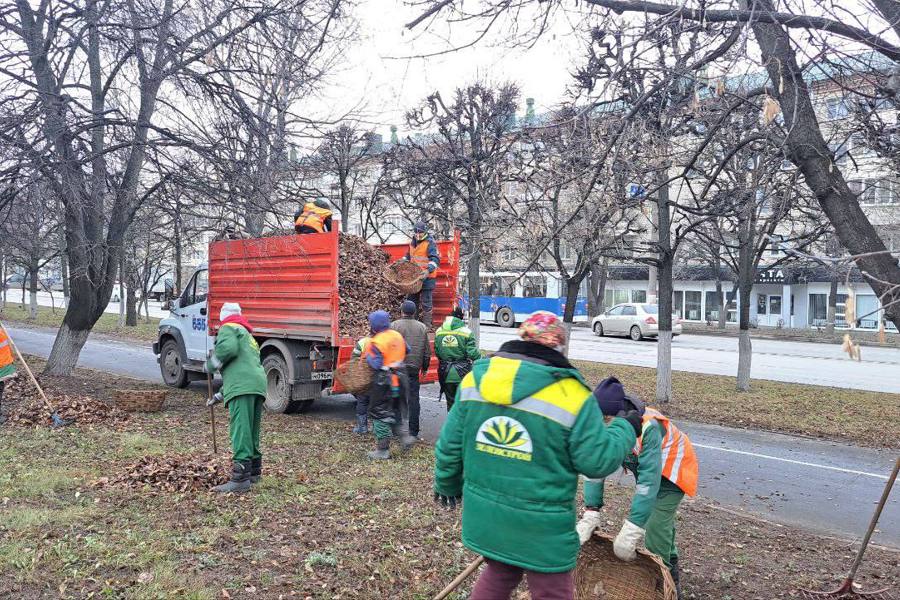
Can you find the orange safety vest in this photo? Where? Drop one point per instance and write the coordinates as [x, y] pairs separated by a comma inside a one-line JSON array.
[[679, 461], [418, 254], [6, 354], [313, 216], [392, 347]]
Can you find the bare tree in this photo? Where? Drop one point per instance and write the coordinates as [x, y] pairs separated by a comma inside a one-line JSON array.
[[344, 155]]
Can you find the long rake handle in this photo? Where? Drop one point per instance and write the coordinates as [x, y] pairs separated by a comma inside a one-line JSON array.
[[460, 578], [212, 414], [28, 370], [875, 517]]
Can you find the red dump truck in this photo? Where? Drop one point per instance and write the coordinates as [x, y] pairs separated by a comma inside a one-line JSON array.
[[287, 287]]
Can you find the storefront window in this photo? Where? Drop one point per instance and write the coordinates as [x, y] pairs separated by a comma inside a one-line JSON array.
[[711, 313], [867, 311], [818, 310], [639, 296], [732, 309], [692, 306], [613, 297], [678, 304], [761, 308], [840, 309]]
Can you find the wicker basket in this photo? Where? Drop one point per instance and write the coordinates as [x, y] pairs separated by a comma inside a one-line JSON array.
[[355, 375], [406, 276], [140, 400], [599, 575]]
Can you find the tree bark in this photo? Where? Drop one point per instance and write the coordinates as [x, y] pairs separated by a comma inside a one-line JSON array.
[[473, 270], [664, 297], [32, 291], [130, 307], [832, 305], [745, 285]]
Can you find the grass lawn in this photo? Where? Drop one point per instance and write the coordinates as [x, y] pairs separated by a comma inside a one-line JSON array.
[[328, 524], [854, 416], [107, 325]]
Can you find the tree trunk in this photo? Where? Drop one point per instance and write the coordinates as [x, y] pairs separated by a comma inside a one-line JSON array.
[[32, 292], [177, 244], [597, 288], [664, 296], [122, 291], [345, 205], [745, 349], [2, 283], [832, 305], [63, 261], [130, 307], [473, 270], [572, 286]]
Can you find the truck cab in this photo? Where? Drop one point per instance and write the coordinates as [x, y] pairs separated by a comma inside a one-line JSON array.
[[184, 341]]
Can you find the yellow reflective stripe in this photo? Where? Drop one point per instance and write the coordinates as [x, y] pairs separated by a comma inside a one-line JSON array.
[[568, 394], [497, 381], [531, 405]]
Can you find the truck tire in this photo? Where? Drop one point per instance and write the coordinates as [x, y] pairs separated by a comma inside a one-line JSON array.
[[171, 364], [506, 318], [278, 390]]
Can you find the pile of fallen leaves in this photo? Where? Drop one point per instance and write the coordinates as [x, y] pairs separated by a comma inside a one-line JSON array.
[[29, 409], [362, 286], [172, 473]]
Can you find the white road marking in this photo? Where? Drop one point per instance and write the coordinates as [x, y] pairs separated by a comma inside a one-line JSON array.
[[795, 462]]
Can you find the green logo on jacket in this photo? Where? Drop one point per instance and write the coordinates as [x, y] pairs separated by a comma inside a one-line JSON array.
[[506, 437]]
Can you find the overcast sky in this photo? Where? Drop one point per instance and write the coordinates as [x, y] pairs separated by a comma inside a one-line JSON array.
[[380, 81]]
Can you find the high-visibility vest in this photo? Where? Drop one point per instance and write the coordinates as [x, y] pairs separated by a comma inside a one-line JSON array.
[[392, 347], [313, 216], [361, 346], [6, 354], [418, 254], [679, 461]]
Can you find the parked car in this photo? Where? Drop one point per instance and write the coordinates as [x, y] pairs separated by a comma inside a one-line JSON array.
[[45, 284], [634, 320], [15, 280]]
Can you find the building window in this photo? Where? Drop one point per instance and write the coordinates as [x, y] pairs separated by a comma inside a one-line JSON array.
[[818, 310], [761, 306], [875, 192], [711, 311], [774, 249], [867, 313], [614, 297], [692, 306], [732, 309], [508, 255], [678, 304], [840, 310], [639, 296], [837, 107]]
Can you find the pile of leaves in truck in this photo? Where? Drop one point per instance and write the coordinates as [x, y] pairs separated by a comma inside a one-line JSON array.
[[171, 473], [362, 286], [28, 410]]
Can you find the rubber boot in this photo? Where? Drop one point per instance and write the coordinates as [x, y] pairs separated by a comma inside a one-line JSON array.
[[240, 478], [676, 577], [362, 425], [255, 470], [383, 451]]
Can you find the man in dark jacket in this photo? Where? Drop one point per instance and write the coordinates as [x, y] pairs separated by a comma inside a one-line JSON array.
[[423, 252], [417, 361]]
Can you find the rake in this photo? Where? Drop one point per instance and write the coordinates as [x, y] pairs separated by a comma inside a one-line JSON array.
[[57, 420], [846, 590]]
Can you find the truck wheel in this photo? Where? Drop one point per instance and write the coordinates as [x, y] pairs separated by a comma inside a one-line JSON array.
[[171, 365], [278, 390], [506, 318]]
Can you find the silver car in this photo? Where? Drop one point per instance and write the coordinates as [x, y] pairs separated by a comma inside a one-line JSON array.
[[634, 320]]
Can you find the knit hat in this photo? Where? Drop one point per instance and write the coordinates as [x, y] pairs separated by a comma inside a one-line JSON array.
[[408, 308], [458, 313], [228, 309], [379, 321], [543, 328], [420, 227], [610, 395]]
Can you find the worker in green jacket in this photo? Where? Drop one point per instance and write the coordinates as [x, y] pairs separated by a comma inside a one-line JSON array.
[[456, 348], [665, 468], [236, 355], [524, 426], [362, 398]]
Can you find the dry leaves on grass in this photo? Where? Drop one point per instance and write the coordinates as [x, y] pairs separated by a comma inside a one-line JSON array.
[[30, 410], [171, 473], [362, 286]]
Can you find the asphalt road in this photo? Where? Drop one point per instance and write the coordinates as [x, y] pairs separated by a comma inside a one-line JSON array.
[[823, 486], [796, 362]]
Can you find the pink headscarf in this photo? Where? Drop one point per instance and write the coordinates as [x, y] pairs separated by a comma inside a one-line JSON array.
[[543, 328]]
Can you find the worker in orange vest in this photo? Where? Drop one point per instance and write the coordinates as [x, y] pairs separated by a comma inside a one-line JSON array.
[[423, 252], [7, 366], [386, 355], [665, 469], [315, 217]]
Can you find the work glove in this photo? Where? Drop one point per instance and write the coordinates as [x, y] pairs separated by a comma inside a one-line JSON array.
[[216, 398], [634, 419], [432, 267], [626, 543], [212, 363], [447, 501], [589, 522]]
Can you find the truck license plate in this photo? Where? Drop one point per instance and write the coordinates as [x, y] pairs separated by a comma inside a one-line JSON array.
[[321, 375]]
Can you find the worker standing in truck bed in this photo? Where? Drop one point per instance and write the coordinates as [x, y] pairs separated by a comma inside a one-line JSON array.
[[314, 217], [423, 252]]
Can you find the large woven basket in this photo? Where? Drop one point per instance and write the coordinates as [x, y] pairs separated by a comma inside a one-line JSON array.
[[140, 400], [406, 276], [599, 575], [355, 375]]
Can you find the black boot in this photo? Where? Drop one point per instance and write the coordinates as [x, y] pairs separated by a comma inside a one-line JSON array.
[[676, 577], [255, 469], [382, 451], [240, 478]]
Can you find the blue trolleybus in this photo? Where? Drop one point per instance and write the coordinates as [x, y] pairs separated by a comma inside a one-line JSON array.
[[508, 298]]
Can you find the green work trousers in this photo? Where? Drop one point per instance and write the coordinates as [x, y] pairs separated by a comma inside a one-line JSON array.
[[660, 527], [244, 416]]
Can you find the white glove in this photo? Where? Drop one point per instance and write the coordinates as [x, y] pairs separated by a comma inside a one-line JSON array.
[[626, 543], [586, 526]]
